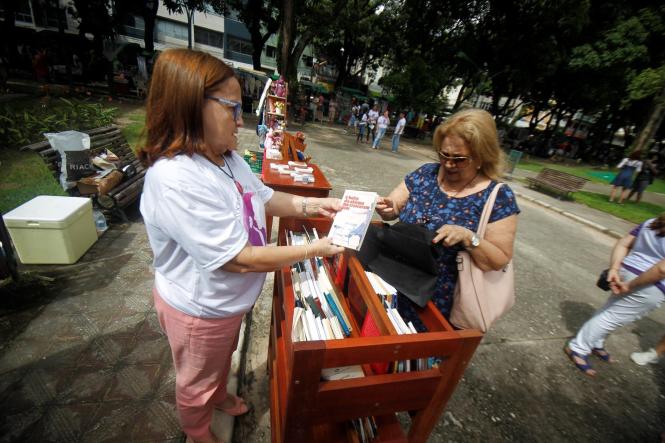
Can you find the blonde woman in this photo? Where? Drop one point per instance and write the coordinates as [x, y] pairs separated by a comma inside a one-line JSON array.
[[448, 197]]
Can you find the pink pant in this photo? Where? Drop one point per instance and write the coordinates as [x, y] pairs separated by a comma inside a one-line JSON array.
[[201, 350]]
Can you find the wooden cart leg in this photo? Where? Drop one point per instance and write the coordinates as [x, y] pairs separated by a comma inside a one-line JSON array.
[[451, 372], [304, 384]]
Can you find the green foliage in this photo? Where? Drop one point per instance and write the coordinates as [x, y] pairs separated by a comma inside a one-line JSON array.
[[24, 176], [647, 83], [24, 124]]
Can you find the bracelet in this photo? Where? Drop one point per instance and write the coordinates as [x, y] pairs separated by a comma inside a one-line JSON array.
[[304, 206]]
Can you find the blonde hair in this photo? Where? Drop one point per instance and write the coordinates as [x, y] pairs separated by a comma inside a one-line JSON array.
[[477, 128]]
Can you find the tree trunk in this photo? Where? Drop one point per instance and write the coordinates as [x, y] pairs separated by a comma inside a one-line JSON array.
[[460, 94], [9, 31], [149, 17], [653, 123], [286, 37], [257, 49], [190, 16]]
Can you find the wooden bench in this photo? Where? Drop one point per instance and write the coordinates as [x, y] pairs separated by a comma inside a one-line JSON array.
[[557, 181], [106, 137]]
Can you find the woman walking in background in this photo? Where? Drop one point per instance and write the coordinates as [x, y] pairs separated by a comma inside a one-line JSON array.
[[636, 276], [624, 179], [645, 177]]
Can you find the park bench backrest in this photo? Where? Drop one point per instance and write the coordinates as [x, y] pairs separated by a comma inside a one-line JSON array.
[[561, 179]]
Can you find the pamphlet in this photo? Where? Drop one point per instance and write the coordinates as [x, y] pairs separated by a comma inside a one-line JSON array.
[[351, 223]]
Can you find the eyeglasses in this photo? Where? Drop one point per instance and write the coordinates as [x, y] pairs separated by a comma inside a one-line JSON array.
[[460, 161], [237, 106]]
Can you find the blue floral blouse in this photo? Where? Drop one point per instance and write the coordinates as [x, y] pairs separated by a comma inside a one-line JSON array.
[[429, 205]]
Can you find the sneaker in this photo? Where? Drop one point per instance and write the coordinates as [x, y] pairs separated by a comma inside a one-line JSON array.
[[644, 358]]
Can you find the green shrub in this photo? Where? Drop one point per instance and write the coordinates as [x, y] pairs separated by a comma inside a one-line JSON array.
[[22, 124]]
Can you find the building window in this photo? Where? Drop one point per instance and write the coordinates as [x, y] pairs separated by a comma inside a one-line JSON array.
[[240, 46], [270, 51], [308, 60], [23, 12], [170, 28], [133, 26], [208, 37]]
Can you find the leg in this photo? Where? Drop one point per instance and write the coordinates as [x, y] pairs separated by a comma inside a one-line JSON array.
[[624, 193], [617, 312], [612, 193], [638, 198], [395, 142], [201, 350]]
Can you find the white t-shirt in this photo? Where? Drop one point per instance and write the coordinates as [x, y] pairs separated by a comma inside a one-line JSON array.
[[383, 122], [399, 128], [637, 164], [373, 115], [197, 221]]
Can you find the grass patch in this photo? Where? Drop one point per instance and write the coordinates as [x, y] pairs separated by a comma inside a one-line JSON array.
[[132, 130], [631, 211], [593, 175], [24, 176]]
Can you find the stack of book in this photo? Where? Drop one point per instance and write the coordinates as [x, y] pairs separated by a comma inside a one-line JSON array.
[[388, 296], [298, 171], [318, 313]]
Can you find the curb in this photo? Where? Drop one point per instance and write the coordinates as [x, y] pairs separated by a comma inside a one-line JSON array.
[[570, 215]]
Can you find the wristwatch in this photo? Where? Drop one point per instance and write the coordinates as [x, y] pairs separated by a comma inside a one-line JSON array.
[[475, 241]]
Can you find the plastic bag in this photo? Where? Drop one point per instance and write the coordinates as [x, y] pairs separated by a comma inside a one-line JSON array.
[[67, 141]]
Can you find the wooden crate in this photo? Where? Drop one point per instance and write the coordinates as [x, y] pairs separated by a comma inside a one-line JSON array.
[[306, 408]]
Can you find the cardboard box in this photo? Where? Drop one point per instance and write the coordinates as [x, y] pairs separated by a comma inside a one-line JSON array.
[[52, 230]]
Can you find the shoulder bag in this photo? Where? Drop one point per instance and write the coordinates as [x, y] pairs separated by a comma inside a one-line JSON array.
[[481, 297]]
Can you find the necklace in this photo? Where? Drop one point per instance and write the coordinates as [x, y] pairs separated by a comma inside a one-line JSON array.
[[229, 174], [459, 190]]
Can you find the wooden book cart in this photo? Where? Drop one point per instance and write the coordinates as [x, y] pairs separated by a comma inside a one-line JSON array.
[[305, 408]]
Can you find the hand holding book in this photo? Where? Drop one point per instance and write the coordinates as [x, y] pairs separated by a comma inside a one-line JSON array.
[[326, 207]]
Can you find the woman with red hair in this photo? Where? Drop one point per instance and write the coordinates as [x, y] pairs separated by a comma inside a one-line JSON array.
[[205, 215]]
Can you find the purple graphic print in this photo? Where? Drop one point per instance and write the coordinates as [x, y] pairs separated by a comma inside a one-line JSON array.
[[257, 235]]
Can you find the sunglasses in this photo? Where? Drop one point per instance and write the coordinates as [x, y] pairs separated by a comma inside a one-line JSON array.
[[237, 107], [459, 161]]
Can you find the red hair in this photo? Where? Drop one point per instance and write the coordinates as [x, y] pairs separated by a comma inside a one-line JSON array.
[[174, 108]]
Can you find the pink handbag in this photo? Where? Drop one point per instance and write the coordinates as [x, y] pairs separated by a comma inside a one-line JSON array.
[[481, 297]]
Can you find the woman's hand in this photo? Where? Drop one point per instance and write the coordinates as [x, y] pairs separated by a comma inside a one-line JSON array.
[[450, 235], [385, 207], [324, 248], [327, 207]]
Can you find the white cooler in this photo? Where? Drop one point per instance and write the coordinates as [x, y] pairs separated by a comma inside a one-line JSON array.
[[52, 230]]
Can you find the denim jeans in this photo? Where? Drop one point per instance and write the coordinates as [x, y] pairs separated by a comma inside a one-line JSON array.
[[396, 142], [380, 132]]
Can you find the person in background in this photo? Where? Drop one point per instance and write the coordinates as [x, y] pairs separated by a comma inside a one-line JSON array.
[[372, 117], [637, 280], [313, 104], [362, 127], [382, 126], [332, 110], [448, 197], [205, 216], [319, 110], [399, 130], [652, 356], [353, 117], [624, 179], [645, 177]]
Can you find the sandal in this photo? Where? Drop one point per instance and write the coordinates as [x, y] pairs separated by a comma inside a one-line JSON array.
[[602, 354], [580, 361], [239, 407]]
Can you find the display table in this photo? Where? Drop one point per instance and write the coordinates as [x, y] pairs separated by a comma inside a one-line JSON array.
[[305, 408], [285, 183]]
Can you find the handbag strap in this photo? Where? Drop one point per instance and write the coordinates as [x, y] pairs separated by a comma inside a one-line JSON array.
[[487, 210]]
